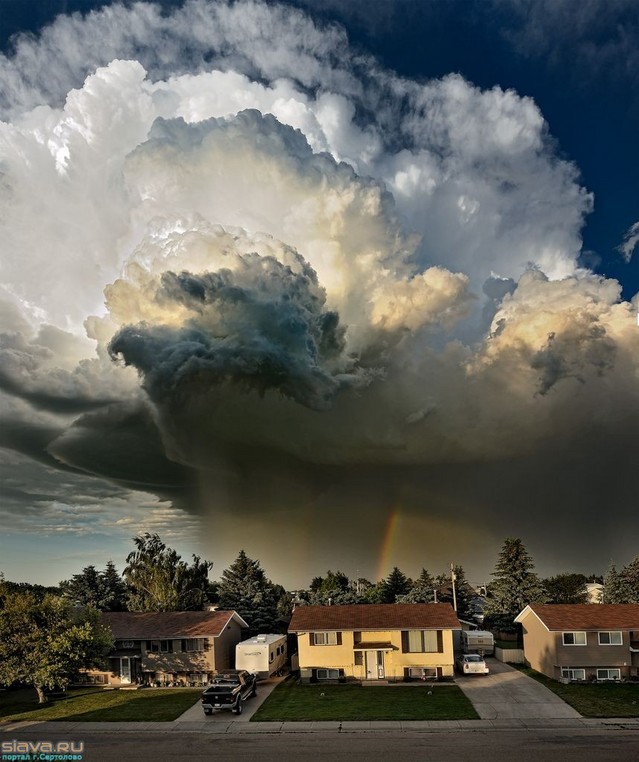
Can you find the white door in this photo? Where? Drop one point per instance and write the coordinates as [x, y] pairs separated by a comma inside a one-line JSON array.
[[374, 665], [125, 669]]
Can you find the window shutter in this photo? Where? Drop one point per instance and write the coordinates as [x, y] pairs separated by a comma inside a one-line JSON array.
[[311, 639], [339, 638], [440, 642], [404, 642]]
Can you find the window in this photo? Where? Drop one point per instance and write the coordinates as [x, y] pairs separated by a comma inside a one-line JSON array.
[[573, 674], [421, 641], [574, 638], [327, 674], [326, 638], [608, 674], [152, 646], [271, 656], [610, 639], [193, 644], [166, 646], [359, 658], [422, 673]]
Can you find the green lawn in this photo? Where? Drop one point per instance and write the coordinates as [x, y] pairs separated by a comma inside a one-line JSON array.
[[97, 705], [594, 699], [293, 701]]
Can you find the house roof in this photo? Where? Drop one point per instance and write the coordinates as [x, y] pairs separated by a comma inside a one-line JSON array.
[[169, 624], [377, 616], [584, 616]]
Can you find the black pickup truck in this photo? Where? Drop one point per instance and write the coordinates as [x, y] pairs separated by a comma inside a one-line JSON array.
[[228, 690]]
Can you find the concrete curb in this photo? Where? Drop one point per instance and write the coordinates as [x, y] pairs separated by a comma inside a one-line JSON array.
[[241, 728]]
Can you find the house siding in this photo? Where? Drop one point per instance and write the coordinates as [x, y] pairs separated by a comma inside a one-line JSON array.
[[342, 655], [545, 652], [224, 646]]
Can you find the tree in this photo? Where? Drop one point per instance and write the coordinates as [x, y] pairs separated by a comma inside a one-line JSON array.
[[245, 588], [335, 588], [396, 584], [158, 579], [103, 590], [422, 591], [566, 588], [622, 586], [515, 584], [43, 642], [463, 591]]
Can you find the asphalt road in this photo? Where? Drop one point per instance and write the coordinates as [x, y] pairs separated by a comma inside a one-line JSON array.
[[542, 745]]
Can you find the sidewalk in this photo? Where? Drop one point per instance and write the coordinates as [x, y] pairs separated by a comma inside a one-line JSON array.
[[239, 727]]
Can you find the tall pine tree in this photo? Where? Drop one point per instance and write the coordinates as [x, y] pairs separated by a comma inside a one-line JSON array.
[[422, 591], [515, 586], [245, 588]]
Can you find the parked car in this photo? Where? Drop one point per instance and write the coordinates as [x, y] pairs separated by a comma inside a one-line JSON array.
[[229, 690], [471, 664]]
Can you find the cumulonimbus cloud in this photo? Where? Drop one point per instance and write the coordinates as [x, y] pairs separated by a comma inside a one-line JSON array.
[[311, 262]]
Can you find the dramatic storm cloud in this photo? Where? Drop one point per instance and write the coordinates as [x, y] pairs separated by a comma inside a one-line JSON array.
[[254, 273]]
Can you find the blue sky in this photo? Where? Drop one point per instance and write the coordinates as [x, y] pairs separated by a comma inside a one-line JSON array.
[[424, 211]]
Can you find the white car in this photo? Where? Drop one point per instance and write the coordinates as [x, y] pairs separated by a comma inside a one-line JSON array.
[[472, 664]]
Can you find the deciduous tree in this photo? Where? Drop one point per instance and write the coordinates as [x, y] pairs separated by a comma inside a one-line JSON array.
[[566, 588], [43, 642], [158, 579]]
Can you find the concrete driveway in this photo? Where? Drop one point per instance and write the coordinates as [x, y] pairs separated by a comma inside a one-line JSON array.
[[507, 693], [196, 713]]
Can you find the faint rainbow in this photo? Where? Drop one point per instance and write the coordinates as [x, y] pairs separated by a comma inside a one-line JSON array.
[[388, 543]]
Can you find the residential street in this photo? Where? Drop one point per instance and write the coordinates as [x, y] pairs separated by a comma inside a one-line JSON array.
[[507, 693], [568, 744]]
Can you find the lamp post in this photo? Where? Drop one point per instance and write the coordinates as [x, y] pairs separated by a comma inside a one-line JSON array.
[[453, 577]]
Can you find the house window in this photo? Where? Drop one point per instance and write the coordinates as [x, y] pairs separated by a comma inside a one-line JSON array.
[[152, 646], [192, 644], [166, 646], [422, 673], [610, 639], [574, 638], [326, 638], [608, 674], [421, 641], [359, 658], [573, 674], [327, 674]]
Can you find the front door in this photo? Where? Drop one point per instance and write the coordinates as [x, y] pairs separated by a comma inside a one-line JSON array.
[[125, 669], [374, 665]]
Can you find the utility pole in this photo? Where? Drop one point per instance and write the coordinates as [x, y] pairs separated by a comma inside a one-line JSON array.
[[453, 577]]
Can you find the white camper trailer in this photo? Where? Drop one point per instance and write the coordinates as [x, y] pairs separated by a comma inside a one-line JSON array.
[[477, 642], [263, 655]]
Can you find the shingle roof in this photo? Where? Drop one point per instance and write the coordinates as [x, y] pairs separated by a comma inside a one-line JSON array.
[[378, 616], [168, 624], [587, 616]]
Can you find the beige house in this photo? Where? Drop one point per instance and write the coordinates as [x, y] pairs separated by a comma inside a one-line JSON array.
[[389, 642], [582, 641], [158, 648]]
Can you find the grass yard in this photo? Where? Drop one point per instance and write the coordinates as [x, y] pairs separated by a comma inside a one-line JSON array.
[[97, 705], [292, 701], [594, 699]]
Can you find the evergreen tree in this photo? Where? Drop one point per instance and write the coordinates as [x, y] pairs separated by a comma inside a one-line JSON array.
[[396, 584], [104, 591], [422, 591], [463, 591], [158, 579], [622, 586], [245, 588], [515, 584], [566, 588]]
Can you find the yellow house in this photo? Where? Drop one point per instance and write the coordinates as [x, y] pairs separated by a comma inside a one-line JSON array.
[[390, 642]]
